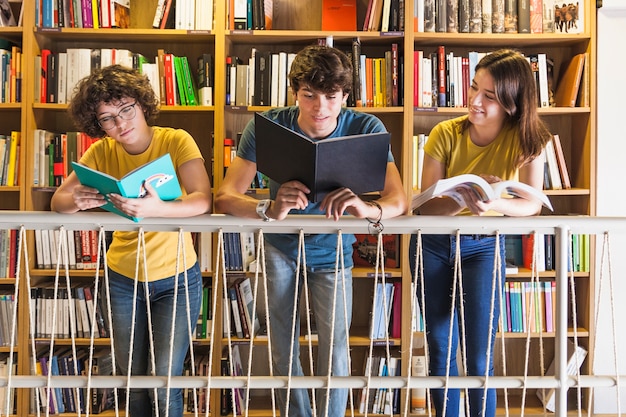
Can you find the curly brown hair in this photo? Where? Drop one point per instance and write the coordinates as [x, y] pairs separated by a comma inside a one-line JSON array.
[[110, 85]]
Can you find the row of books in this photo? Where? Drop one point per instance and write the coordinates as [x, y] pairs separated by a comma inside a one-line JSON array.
[[386, 311], [7, 303], [240, 316], [201, 401], [53, 153], [81, 247], [96, 14], [10, 72], [380, 400], [172, 78], [262, 79], [85, 305], [377, 80], [443, 78], [73, 400], [10, 158], [61, 71], [523, 251], [499, 16], [250, 14], [184, 14], [239, 251], [79, 302], [556, 174], [384, 16], [9, 245], [529, 306]]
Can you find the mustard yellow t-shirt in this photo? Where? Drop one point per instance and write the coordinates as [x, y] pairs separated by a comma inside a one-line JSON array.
[[107, 155], [450, 145]]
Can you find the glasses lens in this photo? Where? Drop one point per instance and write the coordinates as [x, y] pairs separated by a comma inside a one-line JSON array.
[[128, 113], [107, 123]]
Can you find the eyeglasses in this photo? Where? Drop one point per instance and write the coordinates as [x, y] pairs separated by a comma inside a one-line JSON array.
[[127, 113]]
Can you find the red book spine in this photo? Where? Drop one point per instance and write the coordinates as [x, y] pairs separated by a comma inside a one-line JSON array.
[[441, 75], [168, 64], [43, 96]]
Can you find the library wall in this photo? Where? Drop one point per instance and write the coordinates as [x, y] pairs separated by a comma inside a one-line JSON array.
[[611, 150]]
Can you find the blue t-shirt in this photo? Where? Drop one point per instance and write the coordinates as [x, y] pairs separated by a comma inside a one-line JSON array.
[[320, 248]]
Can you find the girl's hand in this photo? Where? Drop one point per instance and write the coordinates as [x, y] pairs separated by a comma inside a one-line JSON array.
[[150, 205], [86, 198]]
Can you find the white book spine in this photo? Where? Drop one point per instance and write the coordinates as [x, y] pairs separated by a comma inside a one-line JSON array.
[[544, 99]]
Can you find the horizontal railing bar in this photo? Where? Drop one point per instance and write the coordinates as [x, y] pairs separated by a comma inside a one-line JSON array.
[[266, 382], [32, 220]]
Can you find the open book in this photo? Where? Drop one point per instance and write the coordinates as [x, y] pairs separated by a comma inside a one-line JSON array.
[[358, 162], [159, 173], [487, 192]]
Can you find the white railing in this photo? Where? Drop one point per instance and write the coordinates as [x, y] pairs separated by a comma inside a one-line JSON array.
[[560, 226]]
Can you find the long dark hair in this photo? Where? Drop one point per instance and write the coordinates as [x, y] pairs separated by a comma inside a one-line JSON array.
[[516, 91]]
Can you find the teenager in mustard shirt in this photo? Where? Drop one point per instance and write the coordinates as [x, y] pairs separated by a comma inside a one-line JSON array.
[[117, 104]]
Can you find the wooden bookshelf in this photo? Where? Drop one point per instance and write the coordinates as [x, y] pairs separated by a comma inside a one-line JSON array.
[[296, 24]]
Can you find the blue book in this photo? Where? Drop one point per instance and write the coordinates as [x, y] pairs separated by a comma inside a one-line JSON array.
[[160, 173], [54, 368]]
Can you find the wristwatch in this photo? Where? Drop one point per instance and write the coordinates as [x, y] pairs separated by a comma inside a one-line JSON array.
[[261, 209]]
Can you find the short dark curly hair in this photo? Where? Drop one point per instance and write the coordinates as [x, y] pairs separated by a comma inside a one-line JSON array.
[[109, 85], [323, 68]]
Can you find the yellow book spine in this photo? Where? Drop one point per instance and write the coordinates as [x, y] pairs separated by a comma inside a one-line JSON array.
[[95, 6], [11, 171]]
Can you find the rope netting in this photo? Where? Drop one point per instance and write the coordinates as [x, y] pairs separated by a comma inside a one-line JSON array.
[[250, 380]]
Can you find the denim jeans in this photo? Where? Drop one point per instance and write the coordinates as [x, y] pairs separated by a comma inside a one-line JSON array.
[[477, 263], [281, 283], [161, 304]]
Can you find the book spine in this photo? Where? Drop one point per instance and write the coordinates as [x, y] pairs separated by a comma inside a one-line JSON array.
[[441, 76], [524, 12], [497, 16]]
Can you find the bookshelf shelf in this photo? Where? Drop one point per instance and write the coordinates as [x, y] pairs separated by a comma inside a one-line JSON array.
[[498, 40]]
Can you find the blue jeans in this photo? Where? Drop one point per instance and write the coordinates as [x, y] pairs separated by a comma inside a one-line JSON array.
[[281, 284], [161, 304], [477, 262]]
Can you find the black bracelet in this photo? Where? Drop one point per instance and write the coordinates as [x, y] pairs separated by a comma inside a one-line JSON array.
[[375, 226]]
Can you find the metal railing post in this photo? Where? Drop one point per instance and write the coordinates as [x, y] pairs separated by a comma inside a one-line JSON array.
[[562, 237]]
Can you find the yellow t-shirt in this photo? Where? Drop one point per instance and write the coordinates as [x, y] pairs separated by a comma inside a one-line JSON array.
[[450, 145], [107, 155]]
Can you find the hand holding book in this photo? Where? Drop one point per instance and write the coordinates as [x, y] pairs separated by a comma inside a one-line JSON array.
[[159, 173], [484, 190]]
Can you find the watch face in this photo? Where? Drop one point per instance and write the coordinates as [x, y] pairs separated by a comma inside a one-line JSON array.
[[262, 207]]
